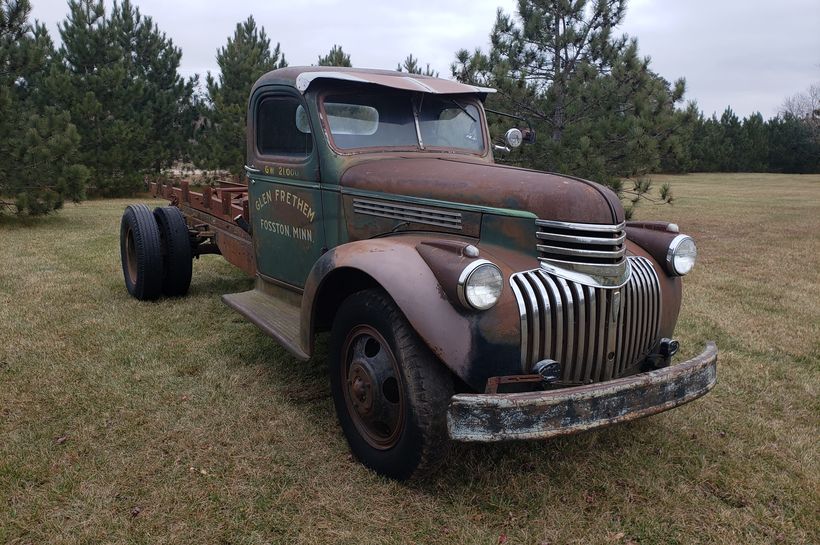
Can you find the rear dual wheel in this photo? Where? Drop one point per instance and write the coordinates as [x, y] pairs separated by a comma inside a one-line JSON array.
[[177, 259], [155, 251]]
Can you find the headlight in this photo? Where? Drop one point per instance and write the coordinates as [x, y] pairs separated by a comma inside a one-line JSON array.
[[682, 254], [480, 285]]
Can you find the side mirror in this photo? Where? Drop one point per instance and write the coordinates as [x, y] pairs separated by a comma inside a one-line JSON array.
[[514, 138]]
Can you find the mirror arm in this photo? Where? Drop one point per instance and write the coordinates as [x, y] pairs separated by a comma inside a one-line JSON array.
[[524, 119]]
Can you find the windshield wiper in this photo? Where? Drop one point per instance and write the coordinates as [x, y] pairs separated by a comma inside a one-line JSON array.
[[416, 110], [463, 109]]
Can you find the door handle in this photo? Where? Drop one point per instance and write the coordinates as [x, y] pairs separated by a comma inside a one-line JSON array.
[[252, 170]]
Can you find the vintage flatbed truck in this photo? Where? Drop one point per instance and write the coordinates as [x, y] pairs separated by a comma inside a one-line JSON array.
[[465, 299]]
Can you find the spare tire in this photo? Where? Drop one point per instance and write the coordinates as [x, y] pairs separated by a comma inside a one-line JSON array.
[[176, 250], [141, 252]]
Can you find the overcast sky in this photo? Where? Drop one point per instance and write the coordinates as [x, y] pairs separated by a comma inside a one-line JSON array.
[[749, 54]]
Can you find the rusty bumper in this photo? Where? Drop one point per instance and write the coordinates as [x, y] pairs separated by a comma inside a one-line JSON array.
[[539, 415]]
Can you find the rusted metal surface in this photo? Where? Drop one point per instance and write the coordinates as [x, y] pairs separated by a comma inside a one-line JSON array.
[[322, 225], [540, 415], [202, 209], [302, 77], [494, 384], [473, 345], [468, 182]]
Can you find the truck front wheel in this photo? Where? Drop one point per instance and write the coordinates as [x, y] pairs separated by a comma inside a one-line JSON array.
[[390, 392]]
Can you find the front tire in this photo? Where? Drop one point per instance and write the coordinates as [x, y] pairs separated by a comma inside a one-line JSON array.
[[140, 252], [390, 392]]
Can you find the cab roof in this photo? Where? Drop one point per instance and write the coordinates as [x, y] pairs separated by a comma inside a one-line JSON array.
[[302, 77]]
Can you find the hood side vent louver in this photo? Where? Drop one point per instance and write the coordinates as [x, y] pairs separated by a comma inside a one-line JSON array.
[[409, 213]]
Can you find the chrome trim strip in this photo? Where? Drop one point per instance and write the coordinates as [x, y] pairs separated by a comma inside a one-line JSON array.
[[599, 227], [613, 254], [535, 332], [581, 326], [579, 239], [571, 252], [599, 276], [522, 313]]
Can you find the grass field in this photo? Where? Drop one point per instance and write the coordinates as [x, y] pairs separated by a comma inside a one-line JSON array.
[[178, 422]]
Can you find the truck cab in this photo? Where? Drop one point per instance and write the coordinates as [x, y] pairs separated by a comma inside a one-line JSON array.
[[465, 300]]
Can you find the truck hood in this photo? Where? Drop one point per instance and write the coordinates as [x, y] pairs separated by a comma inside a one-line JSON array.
[[548, 196]]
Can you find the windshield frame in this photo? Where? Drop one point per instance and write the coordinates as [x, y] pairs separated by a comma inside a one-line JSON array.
[[462, 99]]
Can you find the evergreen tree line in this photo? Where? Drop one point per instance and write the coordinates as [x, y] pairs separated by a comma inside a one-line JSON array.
[[788, 143], [108, 107], [600, 112]]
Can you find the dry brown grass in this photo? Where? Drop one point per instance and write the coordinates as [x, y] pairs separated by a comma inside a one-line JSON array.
[[178, 422]]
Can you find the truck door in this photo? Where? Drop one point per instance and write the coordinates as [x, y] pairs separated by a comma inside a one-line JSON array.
[[284, 190]]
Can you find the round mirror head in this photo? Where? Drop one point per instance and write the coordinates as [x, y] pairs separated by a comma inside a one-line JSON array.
[[514, 138]]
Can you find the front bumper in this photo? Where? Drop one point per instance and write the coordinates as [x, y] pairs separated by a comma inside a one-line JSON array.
[[539, 415]]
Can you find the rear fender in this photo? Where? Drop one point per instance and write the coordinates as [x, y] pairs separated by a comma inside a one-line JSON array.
[[411, 269]]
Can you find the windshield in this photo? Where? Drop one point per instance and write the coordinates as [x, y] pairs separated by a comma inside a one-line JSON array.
[[381, 120]]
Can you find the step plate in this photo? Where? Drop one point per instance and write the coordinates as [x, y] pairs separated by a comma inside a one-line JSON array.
[[276, 317]]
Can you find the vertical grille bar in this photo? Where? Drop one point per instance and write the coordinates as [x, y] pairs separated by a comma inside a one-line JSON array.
[[535, 321], [557, 318], [569, 326], [545, 321], [591, 345], [581, 325], [580, 330], [526, 353]]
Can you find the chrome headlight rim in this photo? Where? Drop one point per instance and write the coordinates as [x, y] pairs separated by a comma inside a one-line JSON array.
[[672, 253], [464, 279]]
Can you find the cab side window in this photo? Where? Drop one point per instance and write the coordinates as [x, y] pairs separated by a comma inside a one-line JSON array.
[[278, 131]]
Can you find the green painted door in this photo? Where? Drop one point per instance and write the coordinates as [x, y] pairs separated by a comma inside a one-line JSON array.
[[284, 190]]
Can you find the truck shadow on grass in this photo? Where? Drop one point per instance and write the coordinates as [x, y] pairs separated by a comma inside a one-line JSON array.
[[475, 467]]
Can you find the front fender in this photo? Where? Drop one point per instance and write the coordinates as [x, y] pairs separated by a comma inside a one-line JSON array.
[[473, 345]]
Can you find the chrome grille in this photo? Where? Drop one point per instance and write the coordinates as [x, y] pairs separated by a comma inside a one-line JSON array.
[[404, 212], [596, 333], [589, 253]]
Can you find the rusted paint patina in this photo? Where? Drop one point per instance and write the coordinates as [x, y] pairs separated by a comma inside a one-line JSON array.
[[302, 78], [473, 345], [223, 235], [468, 182], [540, 415], [331, 222]]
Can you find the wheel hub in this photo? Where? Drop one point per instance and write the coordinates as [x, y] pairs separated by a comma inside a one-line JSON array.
[[360, 384], [373, 392]]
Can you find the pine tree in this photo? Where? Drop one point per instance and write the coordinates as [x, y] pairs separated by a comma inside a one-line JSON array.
[[606, 115], [753, 149], [246, 56], [792, 146], [336, 57], [38, 144], [411, 66], [730, 144], [152, 59], [118, 76]]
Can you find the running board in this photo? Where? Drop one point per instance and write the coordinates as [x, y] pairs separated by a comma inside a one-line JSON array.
[[276, 316]]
